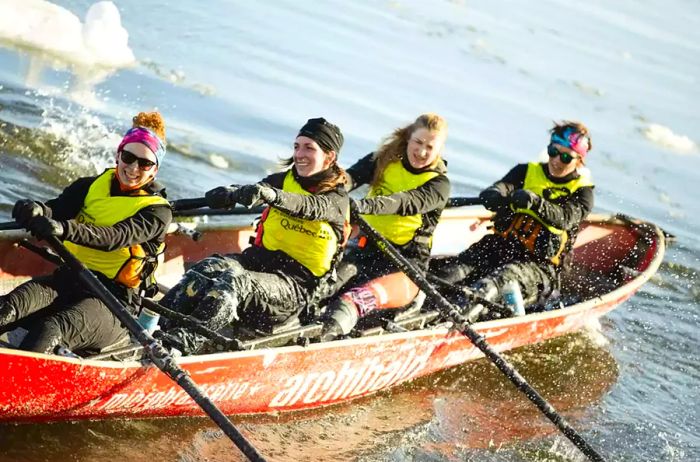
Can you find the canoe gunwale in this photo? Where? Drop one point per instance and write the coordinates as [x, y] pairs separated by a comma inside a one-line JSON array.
[[617, 295]]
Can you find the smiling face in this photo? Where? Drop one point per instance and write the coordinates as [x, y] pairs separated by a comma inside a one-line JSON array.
[[424, 147], [309, 158], [133, 175], [557, 167]]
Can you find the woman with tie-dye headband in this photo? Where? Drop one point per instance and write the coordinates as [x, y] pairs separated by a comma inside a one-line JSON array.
[[538, 209], [115, 224]]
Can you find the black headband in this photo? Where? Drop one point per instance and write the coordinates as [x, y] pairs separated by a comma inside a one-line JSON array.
[[327, 135]]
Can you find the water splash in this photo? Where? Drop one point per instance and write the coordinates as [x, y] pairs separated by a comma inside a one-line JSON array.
[[673, 453], [86, 142], [59, 142]]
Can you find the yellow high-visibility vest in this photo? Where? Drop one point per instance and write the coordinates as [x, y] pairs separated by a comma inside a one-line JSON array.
[[100, 208], [398, 229], [527, 226], [313, 244]]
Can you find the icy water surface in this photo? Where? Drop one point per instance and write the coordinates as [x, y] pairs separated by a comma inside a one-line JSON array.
[[235, 80]]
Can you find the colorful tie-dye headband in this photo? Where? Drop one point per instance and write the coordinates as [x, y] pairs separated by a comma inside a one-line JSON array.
[[572, 140], [147, 138]]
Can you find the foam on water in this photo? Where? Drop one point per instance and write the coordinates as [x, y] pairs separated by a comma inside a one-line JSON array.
[[594, 332], [665, 137], [500, 72], [101, 40]]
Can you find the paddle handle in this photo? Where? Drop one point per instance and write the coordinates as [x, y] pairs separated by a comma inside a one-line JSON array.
[[191, 207], [159, 355], [9, 225], [189, 204], [477, 339], [463, 201]]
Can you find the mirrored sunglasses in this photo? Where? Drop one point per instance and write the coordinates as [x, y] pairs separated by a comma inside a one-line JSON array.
[[129, 157], [566, 157]]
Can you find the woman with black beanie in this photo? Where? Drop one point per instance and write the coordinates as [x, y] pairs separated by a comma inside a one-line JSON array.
[[298, 242]]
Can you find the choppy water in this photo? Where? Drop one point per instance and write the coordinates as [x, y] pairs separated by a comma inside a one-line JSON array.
[[235, 80]]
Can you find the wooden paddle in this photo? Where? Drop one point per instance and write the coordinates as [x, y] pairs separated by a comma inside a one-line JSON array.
[[452, 312], [158, 355]]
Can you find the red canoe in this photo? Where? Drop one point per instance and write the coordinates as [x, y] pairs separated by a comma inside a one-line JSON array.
[[614, 257]]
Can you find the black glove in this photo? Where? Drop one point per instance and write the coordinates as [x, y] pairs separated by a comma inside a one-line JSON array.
[[25, 209], [251, 195], [492, 199], [524, 199], [221, 197], [43, 227]]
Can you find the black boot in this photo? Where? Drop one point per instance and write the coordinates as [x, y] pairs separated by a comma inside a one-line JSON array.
[[340, 318]]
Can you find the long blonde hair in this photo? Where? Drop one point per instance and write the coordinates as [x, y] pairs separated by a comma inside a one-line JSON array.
[[394, 146]]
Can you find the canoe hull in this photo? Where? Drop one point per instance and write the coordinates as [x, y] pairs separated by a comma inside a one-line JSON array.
[[37, 387], [46, 388]]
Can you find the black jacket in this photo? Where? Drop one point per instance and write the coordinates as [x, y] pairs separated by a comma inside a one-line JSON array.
[[147, 227], [429, 200], [565, 212], [330, 206]]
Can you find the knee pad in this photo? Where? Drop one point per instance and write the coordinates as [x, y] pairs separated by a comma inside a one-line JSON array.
[[45, 338], [214, 266], [341, 316], [450, 269]]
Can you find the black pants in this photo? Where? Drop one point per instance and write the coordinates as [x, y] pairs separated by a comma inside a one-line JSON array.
[[362, 265], [488, 265], [220, 290], [57, 311]]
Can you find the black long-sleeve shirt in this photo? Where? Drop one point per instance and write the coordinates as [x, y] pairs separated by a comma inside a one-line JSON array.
[[148, 226], [428, 200], [565, 212], [330, 206]]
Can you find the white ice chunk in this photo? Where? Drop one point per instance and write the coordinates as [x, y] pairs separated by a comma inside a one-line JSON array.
[[39, 24]]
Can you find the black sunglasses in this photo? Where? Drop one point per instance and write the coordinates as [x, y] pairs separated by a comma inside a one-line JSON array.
[[129, 157], [564, 156]]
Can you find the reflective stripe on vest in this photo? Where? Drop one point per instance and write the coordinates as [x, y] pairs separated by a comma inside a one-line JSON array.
[[313, 244], [527, 226], [398, 229], [100, 208]]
